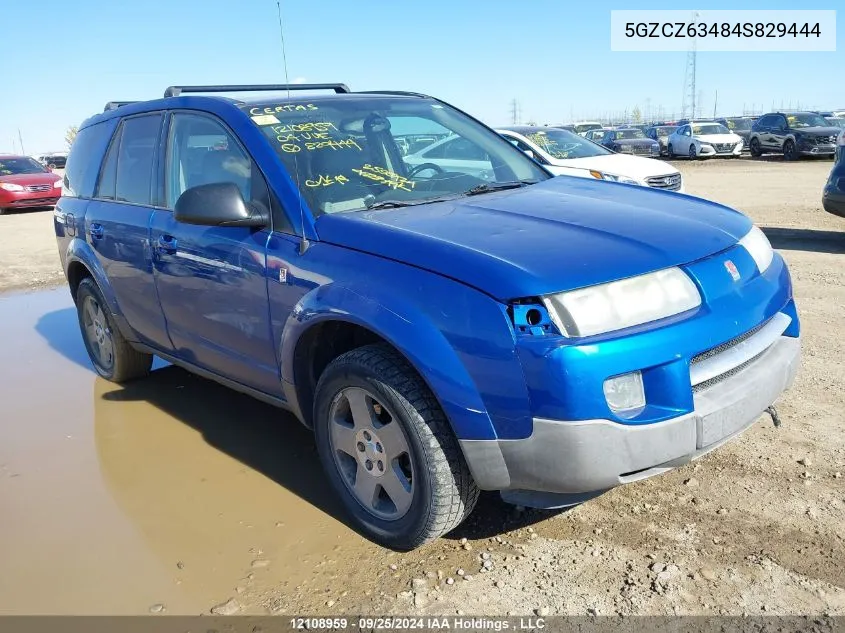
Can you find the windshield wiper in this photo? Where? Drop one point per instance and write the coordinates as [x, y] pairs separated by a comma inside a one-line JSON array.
[[487, 187]]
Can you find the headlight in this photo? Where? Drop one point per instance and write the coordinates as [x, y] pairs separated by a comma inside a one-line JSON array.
[[10, 186], [621, 304], [613, 177], [57, 184], [758, 246]]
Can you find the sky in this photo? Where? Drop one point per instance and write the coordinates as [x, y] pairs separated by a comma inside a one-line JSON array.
[[64, 60]]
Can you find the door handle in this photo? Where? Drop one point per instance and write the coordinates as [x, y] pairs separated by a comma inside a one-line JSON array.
[[166, 244], [96, 231]]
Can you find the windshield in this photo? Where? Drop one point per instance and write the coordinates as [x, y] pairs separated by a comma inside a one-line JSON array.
[[586, 127], [710, 128], [562, 144], [619, 135], [741, 125], [22, 165], [836, 122], [806, 120], [354, 152]]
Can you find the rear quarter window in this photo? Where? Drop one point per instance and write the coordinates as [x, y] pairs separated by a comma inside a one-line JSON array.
[[86, 155]]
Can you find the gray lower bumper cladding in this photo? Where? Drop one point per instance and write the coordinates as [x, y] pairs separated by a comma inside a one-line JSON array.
[[563, 463]]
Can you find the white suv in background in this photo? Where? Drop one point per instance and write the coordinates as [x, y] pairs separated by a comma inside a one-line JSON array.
[[566, 154]]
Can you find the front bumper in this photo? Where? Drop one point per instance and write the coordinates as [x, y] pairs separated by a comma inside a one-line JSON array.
[[24, 199], [834, 203], [710, 150], [816, 150], [564, 462]]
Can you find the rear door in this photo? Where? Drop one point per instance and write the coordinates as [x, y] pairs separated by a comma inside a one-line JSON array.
[[117, 224], [212, 280]]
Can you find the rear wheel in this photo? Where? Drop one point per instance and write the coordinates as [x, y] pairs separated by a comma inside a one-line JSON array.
[[112, 356], [388, 449]]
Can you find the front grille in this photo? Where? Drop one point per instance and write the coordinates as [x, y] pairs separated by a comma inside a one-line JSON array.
[[37, 188], [31, 202], [715, 380], [671, 182], [724, 147], [639, 150], [726, 345]]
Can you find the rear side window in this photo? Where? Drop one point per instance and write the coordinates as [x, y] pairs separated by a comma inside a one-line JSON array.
[[128, 171], [84, 160]]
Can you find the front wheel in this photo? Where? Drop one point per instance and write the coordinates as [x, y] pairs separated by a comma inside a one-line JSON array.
[[755, 149], [388, 449], [790, 152], [692, 154], [670, 151], [112, 356]]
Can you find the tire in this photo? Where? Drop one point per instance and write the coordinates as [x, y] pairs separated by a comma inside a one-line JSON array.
[[670, 151], [2, 211], [789, 151], [692, 154], [99, 333], [388, 391], [754, 148]]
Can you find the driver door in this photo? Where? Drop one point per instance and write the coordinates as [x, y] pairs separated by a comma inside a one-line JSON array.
[[211, 280]]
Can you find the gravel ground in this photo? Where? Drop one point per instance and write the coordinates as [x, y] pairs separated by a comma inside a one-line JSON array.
[[755, 527]]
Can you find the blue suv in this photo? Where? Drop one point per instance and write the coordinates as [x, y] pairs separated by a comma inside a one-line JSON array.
[[461, 324]]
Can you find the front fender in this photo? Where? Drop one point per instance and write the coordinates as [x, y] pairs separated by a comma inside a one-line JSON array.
[[456, 338]]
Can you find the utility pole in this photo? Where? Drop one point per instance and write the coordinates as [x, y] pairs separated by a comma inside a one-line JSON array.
[[715, 103], [690, 76], [515, 112], [20, 138]]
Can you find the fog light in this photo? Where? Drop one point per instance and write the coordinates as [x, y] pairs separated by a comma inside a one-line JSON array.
[[625, 394]]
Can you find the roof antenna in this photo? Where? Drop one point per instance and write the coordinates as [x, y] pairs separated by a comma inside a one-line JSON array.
[[303, 244]]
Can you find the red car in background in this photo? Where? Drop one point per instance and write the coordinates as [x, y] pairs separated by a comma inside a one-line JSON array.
[[24, 183]]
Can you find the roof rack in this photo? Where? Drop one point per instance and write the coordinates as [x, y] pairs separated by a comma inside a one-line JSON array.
[[114, 105], [400, 93], [175, 91]]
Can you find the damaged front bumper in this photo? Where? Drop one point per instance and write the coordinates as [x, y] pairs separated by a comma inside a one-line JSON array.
[[566, 462]]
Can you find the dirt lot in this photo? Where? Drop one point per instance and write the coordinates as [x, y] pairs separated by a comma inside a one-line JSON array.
[[208, 515]]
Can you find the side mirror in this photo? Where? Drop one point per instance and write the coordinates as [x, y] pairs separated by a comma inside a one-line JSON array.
[[530, 154], [217, 204]]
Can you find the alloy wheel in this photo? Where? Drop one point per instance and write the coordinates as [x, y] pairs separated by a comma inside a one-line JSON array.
[[371, 453]]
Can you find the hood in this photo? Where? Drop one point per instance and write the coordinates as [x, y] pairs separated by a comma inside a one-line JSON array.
[[560, 234], [46, 178], [818, 131], [637, 167], [718, 138]]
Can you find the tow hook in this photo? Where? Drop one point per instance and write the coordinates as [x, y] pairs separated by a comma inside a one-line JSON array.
[[772, 411]]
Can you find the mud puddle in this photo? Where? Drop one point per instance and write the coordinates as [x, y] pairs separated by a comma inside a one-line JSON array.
[[168, 491]]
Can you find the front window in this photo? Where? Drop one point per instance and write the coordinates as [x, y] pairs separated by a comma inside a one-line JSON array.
[[586, 127], [21, 165], [806, 120], [633, 133], [666, 130], [739, 125], [709, 128], [363, 151], [562, 144]]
